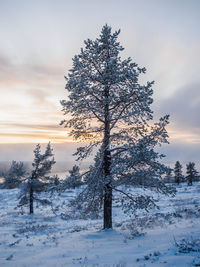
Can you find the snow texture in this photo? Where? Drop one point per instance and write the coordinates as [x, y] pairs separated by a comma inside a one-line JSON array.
[[169, 236]]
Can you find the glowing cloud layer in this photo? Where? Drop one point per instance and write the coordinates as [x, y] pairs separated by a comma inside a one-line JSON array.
[[39, 38]]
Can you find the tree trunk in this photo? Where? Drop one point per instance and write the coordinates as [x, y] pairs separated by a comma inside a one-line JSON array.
[[107, 207], [31, 200], [107, 193], [106, 166], [190, 181]]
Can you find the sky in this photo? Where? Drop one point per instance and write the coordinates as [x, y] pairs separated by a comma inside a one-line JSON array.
[[39, 39]]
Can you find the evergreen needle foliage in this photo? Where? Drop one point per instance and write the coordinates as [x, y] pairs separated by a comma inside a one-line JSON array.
[[191, 172], [15, 175], [108, 108], [38, 178], [178, 172]]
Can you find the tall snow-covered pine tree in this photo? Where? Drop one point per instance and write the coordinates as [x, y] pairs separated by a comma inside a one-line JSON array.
[[108, 108]]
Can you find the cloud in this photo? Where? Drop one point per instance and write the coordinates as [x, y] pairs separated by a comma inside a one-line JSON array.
[[35, 56], [5, 63], [29, 101], [14, 72], [40, 69], [34, 137], [184, 109], [32, 126], [13, 132], [9, 73], [184, 128], [39, 98], [184, 106], [184, 152]]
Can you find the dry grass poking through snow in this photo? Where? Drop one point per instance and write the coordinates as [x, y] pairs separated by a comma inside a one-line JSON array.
[[166, 237]]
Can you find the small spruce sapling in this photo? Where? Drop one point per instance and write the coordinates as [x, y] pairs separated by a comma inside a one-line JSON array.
[[38, 179], [74, 178], [191, 172], [168, 176], [178, 172], [15, 175]]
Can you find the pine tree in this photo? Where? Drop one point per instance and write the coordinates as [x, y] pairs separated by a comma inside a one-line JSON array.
[[110, 110], [168, 176], [191, 172], [15, 175], [39, 177], [74, 178], [178, 172]]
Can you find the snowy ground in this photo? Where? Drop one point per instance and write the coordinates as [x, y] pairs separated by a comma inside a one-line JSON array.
[[166, 237]]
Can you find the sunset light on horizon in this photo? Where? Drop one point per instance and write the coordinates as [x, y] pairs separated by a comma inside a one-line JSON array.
[[39, 39]]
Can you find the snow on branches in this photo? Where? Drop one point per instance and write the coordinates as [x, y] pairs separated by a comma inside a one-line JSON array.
[[38, 178], [108, 108]]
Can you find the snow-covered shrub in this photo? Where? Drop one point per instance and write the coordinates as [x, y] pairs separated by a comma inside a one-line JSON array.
[[188, 245], [15, 175]]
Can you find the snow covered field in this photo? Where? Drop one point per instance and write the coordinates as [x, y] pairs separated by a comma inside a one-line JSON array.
[[166, 237]]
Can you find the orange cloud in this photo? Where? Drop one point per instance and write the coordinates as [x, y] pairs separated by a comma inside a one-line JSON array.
[[35, 137]]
